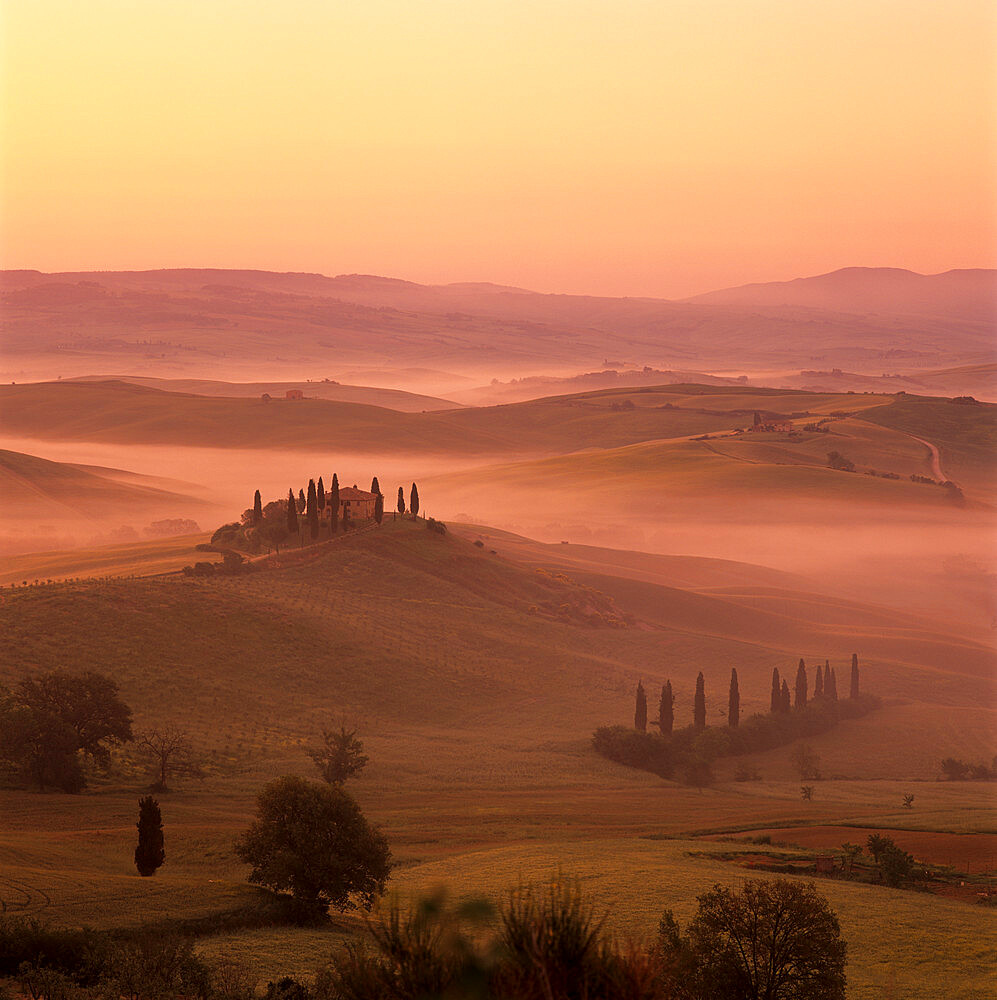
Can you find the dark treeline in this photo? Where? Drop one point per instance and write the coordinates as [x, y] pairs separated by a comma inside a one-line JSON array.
[[689, 752]]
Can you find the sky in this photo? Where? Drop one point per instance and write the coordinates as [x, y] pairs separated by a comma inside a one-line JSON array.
[[613, 147]]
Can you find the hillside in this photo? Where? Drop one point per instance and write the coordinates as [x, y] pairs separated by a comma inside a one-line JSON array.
[[964, 294], [35, 488], [391, 399], [261, 325], [432, 633]]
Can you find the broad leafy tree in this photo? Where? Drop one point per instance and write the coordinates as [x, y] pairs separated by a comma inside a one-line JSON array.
[[170, 754], [312, 841], [770, 940]]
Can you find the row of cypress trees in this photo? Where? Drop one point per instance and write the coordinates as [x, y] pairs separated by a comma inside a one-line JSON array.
[[825, 686], [314, 503]]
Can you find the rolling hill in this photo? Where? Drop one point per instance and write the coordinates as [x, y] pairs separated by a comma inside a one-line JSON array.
[[192, 323]]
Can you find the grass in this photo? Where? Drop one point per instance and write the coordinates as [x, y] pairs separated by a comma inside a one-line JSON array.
[[164, 555], [476, 712]]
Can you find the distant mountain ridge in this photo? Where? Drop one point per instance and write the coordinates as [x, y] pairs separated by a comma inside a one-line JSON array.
[[266, 326], [969, 293]]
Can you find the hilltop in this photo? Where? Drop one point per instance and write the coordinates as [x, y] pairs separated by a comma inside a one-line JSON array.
[[189, 322]]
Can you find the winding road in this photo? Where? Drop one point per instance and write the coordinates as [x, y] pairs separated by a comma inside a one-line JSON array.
[[936, 463]]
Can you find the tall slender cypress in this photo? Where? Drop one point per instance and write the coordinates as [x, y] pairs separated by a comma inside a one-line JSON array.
[[666, 710], [699, 707], [733, 701], [301, 501], [775, 703], [379, 508], [801, 685], [819, 683], [292, 513], [311, 506], [401, 500], [414, 501], [257, 509], [640, 710], [854, 693], [831, 687], [334, 502], [375, 487], [784, 702], [150, 853], [321, 495]]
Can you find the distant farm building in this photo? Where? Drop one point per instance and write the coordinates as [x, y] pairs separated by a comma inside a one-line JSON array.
[[265, 397], [359, 504], [294, 394], [781, 426]]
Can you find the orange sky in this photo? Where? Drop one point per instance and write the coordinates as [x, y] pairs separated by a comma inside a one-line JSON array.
[[608, 146]]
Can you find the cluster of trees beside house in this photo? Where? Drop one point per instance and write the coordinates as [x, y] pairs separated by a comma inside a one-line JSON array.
[[691, 751], [312, 514]]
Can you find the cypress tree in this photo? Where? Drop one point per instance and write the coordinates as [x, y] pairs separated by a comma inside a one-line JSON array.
[[375, 486], [379, 508], [733, 701], [666, 710], [854, 693], [414, 502], [640, 712], [334, 502], [801, 685], [292, 513], [311, 505], [831, 687], [819, 684], [699, 708], [321, 495], [257, 509], [784, 702], [301, 501], [775, 703], [401, 500], [150, 854]]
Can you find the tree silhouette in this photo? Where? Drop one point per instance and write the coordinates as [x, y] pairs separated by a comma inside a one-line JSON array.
[[414, 501], [311, 505], [379, 508], [784, 697], [801, 685], [854, 693], [301, 501], [313, 841], [832, 690], [666, 710], [339, 756], [150, 853], [257, 509], [375, 486], [699, 706], [171, 755], [733, 701], [775, 704], [640, 712], [819, 683], [292, 513], [401, 500], [334, 502], [321, 495]]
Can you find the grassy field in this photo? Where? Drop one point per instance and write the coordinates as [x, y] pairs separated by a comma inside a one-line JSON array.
[[161, 555], [476, 696]]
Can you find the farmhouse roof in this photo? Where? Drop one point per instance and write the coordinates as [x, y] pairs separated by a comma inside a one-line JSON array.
[[352, 493]]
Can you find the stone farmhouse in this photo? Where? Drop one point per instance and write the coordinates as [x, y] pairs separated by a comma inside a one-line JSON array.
[[359, 504]]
